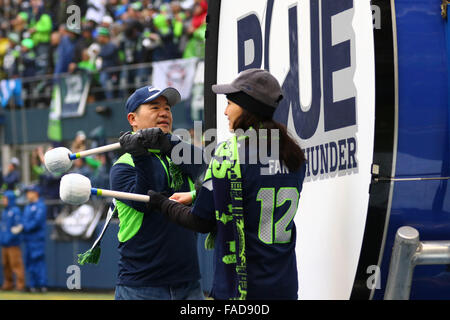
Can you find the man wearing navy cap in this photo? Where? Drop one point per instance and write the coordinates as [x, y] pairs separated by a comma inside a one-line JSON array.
[[158, 259], [34, 222]]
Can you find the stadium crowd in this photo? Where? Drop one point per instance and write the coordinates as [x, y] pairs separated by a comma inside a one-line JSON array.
[[45, 38], [24, 210], [38, 44], [37, 39]]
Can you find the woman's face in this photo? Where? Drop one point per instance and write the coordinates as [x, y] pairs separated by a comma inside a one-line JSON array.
[[232, 111]]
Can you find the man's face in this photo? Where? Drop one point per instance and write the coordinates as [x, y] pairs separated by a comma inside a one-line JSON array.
[[156, 113], [32, 196], [103, 39], [5, 201], [36, 3]]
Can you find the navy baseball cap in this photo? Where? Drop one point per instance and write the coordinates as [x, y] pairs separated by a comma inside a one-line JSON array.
[[149, 93], [33, 187]]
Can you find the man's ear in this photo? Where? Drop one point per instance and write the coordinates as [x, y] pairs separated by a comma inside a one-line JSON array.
[[131, 117]]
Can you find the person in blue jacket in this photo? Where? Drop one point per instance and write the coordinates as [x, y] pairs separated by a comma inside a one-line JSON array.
[[34, 223], [12, 177], [158, 259], [10, 238], [107, 57], [66, 50]]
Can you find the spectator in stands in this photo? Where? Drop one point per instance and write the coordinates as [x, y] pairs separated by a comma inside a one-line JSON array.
[[11, 58], [48, 182], [20, 24], [10, 239], [79, 143], [133, 11], [162, 23], [83, 42], [100, 175], [12, 177], [150, 39], [66, 50], [95, 10], [110, 7], [131, 32], [131, 48], [107, 57], [79, 165], [130, 44], [16, 6], [107, 21], [40, 28], [27, 66], [34, 224], [120, 9], [178, 25], [55, 39], [86, 63], [195, 46]]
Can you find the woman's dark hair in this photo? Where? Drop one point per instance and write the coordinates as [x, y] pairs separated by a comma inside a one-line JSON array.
[[290, 152]]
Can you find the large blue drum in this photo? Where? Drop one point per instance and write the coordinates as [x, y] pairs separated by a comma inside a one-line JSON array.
[[366, 96], [422, 143]]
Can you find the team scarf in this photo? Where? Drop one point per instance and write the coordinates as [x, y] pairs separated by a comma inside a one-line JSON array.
[[175, 177], [225, 172]]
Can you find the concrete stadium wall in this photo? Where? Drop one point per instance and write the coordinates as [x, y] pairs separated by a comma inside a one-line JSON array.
[[36, 122], [62, 254]]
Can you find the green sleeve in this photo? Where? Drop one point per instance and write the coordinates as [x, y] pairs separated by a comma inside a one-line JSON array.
[[92, 162], [178, 29], [38, 169], [199, 33], [44, 24]]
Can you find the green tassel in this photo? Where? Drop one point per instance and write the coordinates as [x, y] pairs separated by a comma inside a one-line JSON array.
[[209, 241], [177, 176], [90, 256]]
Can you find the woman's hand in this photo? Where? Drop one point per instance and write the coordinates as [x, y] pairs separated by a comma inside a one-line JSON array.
[[182, 197]]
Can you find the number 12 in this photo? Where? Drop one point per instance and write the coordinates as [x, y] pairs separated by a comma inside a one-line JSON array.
[[270, 201]]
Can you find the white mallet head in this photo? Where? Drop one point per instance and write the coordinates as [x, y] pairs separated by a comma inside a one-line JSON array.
[[57, 160], [75, 189]]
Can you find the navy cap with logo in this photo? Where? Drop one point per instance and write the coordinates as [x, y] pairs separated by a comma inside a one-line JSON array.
[[149, 93]]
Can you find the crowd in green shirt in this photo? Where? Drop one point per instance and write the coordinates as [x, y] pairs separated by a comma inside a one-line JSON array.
[[159, 29]]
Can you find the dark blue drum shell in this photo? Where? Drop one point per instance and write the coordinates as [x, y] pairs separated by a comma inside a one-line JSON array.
[[423, 141]]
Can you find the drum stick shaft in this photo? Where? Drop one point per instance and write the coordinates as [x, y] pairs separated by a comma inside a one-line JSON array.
[[120, 195], [107, 148]]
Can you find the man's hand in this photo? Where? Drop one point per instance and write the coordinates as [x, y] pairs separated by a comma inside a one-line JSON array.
[[130, 143], [151, 138], [17, 229], [156, 199], [156, 139]]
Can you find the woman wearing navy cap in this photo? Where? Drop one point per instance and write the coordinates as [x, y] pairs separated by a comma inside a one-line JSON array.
[[248, 207]]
